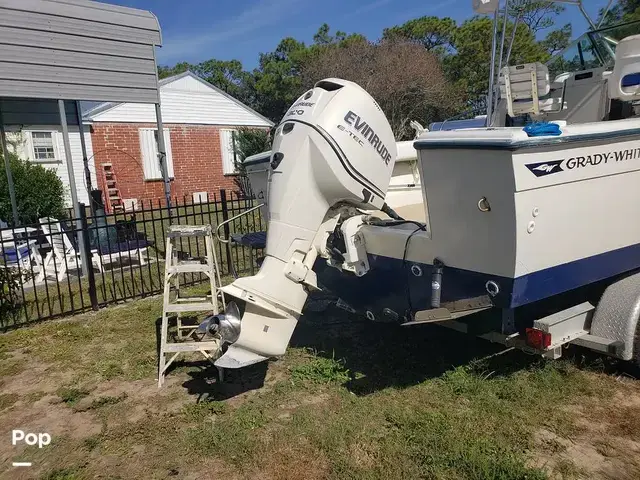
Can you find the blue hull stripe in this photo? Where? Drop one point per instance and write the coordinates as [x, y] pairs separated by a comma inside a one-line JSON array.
[[386, 283], [561, 278]]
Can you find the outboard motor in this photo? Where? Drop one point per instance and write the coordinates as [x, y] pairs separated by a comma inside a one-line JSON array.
[[333, 146]]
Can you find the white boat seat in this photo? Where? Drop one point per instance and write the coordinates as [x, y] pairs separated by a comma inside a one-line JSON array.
[[522, 86], [624, 82]]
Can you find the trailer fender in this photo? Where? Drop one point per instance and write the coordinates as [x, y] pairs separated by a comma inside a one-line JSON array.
[[617, 313]]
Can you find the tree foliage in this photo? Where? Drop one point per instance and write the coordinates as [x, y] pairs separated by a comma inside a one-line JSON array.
[[39, 192], [251, 141], [469, 66], [277, 78], [178, 68], [248, 141], [433, 33], [10, 293], [405, 79], [537, 15], [558, 39], [622, 11]]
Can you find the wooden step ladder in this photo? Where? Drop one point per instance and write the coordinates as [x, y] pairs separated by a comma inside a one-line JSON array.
[[188, 338], [114, 202]]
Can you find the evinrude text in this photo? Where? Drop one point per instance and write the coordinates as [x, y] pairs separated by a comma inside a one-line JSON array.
[[365, 132]]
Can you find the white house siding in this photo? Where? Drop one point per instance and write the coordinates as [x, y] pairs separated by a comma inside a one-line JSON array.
[[60, 165], [184, 101], [187, 84]]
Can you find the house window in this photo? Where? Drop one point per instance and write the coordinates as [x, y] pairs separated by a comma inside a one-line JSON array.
[[229, 155], [43, 147], [149, 149]]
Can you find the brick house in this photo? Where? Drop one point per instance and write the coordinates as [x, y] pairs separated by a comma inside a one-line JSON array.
[[199, 120]]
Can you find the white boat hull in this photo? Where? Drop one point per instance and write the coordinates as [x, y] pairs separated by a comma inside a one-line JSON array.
[[545, 231]]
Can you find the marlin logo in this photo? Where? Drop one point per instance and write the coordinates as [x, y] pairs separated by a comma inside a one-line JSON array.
[[545, 168]]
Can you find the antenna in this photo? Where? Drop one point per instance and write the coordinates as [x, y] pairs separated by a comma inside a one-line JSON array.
[[485, 7], [491, 7]]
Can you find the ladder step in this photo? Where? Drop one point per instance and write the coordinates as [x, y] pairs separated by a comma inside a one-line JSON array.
[[204, 268], [193, 299], [190, 346], [189, 231], [190, 307]]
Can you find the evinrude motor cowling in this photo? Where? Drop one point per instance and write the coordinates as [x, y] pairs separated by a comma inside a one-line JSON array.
[[333, 146]]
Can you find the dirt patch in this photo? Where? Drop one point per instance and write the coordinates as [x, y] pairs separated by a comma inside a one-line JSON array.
[[292, 461], [364, 456], [306, 399], [605, 444], [36, 377], [211, 468]]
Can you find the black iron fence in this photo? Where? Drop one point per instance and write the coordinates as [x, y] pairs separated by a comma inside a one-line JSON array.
[[65, 266]]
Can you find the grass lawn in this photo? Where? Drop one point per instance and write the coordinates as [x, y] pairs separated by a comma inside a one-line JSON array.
[[351, 399]]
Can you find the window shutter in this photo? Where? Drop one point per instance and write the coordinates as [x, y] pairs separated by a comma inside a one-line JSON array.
[[149, 149], [150, 164], [227, 150], [167, 146], [27, 150], [58, 146]]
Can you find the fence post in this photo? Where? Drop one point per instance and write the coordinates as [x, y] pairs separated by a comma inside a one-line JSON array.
[[86, 245], [227, 233]]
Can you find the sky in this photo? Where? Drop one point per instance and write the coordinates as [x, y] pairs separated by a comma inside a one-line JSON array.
[[197, 30]]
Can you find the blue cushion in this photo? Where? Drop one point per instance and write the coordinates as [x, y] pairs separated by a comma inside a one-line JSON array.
[[631, 80], [253, 239], [11, 256], [541, 129]]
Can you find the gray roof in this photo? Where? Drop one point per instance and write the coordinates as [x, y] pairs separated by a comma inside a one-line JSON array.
[[108, 105], [77, 50]]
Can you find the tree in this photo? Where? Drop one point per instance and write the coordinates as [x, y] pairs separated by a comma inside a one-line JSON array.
[[164, 71], [277, 79], [622, 11], [535, 14], [322, 36], [11, 297], [228, 76], [558, 39], [631, 10], [248, 141], [406, 80], [433, 33], [469, 66], [39, 192], [251, 141]]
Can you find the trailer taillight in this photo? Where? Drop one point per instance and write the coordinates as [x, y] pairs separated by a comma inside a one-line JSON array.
[[538, 339]]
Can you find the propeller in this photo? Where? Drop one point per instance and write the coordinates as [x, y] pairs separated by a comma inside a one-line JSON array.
[[226, 324]]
